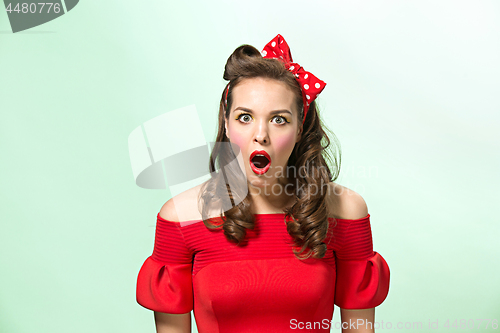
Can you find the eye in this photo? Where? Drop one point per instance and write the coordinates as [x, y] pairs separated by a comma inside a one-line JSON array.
[[280, 120], [244, 117]]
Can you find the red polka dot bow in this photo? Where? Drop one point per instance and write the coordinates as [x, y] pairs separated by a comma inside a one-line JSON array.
[[310, 85]]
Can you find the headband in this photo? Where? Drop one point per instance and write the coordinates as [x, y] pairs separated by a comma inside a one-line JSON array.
[[310, 85]]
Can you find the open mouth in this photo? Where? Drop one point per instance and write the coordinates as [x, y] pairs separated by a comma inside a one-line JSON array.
[[260, 162]]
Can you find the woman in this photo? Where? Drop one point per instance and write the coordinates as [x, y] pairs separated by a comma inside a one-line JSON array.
[[280, 242]]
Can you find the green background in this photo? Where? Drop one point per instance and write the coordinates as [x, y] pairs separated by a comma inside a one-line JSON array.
[[412, 95]]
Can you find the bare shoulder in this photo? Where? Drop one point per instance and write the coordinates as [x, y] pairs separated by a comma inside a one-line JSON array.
[[344, 203], [183, 206]]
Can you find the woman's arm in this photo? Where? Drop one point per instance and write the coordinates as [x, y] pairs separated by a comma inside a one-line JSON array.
[[359, 321], [172, 323]]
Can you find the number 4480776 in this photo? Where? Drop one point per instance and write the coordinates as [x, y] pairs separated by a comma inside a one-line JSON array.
[[464, 324], [33, 7]]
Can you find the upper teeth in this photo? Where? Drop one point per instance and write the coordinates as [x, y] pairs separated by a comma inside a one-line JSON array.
[[259, 155]]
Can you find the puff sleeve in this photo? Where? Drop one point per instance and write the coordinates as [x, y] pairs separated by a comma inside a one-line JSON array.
[[362, 280], [164, 283]]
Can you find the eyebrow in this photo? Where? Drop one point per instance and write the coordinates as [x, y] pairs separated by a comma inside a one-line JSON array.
[[272, 112]]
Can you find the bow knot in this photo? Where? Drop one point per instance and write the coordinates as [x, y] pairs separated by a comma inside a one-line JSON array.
[[293, 67], [310, 85]]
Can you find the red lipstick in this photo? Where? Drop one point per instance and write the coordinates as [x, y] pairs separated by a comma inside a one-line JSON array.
[[260, 162]]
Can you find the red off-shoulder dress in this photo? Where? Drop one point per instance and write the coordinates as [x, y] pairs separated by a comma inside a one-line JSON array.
[[260, 286]]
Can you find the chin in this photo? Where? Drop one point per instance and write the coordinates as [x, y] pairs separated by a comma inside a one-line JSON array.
[[257, 181]]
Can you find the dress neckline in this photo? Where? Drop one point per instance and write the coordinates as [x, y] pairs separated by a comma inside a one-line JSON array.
[[263, 215]]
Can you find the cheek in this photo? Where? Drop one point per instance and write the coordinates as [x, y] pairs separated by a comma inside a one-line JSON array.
[[237, 138], [285, 142]]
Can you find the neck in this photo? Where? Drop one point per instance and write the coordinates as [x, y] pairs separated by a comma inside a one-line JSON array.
[[272, 198]]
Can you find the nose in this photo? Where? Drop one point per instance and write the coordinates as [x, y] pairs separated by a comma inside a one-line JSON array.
[[261, 133]]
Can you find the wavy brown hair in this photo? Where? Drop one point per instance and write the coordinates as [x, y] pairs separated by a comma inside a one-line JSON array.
[[226, 191]]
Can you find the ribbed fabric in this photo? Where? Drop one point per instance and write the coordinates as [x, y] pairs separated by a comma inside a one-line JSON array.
[[354, 239], [170, 246], [260, 286], [266, 241], [174, 243]]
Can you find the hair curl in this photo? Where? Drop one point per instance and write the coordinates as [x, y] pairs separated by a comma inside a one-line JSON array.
[[308, 217]]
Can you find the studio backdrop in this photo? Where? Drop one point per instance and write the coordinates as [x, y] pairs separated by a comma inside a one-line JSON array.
[[95, 95]]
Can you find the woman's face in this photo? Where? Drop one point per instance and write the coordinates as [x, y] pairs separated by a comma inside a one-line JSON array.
[[263, 122]]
